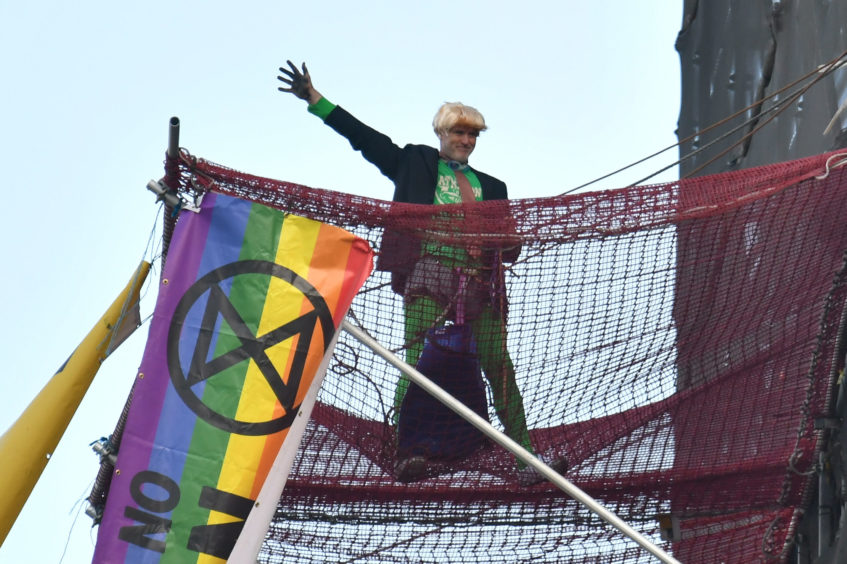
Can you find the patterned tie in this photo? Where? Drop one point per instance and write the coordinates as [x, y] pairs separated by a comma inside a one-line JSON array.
[[464, 187], [467, 197]]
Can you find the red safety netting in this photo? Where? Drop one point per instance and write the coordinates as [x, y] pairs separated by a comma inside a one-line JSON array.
[[673, 343]]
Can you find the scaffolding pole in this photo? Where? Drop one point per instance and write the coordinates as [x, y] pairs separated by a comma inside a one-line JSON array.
[[503, 440]]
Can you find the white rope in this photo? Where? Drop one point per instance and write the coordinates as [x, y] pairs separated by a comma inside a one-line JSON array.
[[829, 167]]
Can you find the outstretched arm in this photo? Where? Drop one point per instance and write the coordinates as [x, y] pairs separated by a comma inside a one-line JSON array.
[[298, 83], [376, 147]]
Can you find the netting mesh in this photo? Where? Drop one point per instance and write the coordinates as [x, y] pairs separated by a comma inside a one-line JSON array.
[[674, 343]]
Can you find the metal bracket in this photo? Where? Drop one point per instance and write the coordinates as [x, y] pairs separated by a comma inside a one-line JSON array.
[[105, 449], [173, 198]]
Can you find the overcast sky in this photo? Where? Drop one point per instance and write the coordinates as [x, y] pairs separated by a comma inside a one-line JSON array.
[[570, 91]]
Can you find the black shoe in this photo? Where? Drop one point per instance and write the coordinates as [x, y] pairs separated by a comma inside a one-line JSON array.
[[410, 469], [529, 476]]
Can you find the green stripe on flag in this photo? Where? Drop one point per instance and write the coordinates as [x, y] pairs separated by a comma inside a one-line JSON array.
[[223, 391]]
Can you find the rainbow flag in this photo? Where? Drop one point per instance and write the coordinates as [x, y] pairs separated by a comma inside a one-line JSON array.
[[249, 304]]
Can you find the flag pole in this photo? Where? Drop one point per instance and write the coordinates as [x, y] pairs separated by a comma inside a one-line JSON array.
[[173, 138], [171, 182], [27, 445], [503, 440]]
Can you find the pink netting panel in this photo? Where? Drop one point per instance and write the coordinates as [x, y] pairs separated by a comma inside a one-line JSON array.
[[673, 342]]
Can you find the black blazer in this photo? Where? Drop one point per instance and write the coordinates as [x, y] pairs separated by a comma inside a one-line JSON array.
[[414, 171]]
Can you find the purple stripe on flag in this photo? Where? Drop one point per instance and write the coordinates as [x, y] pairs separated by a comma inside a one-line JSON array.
[[187, 260], [223, 246]]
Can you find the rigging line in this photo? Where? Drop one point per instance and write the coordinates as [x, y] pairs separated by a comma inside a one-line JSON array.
[[702, 131], [830, 166], [722, 137], [822, 71], [127, 306], [788, 102], [776, 109], [78, 505]]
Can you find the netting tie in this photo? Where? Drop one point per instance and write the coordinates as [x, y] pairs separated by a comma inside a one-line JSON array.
[[842, 162]]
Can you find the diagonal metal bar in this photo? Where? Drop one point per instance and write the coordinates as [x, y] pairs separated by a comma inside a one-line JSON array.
[[503, 440]]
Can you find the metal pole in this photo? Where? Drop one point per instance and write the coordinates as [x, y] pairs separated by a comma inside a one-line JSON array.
[[172, 182], [173, 138], [503, 440]]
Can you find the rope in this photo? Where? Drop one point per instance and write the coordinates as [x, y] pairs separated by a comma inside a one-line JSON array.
[[99, 489], [830, 67], [820, 73], [152, 243], [829, 168]]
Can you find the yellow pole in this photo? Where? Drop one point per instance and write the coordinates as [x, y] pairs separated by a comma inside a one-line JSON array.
[[28, 444]]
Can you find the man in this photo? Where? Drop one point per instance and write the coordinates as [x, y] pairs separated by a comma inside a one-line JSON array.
[[426, 175]]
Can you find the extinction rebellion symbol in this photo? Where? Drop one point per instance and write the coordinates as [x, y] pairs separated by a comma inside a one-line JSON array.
[[205, 368]]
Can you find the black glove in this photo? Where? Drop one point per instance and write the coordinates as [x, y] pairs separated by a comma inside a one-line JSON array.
[[299, 84]]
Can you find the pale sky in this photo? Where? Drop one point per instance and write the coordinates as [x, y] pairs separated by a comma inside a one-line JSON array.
[[570, 91]]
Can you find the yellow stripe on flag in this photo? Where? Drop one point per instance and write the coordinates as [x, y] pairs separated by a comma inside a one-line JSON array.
[[283, 304]]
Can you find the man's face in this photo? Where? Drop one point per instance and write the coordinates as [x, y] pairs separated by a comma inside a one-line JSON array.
[[458, 143]]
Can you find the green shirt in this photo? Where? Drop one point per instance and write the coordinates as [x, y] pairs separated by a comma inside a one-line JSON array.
[[447, 192], [447, 188]]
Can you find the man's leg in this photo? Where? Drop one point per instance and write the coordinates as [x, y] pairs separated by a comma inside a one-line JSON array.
[[490, 335], [420, 313]]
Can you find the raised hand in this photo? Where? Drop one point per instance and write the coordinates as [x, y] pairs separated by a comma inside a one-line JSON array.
[[298, 83]]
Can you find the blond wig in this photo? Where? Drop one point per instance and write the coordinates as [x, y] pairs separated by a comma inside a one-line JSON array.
[[452, 114]]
